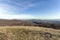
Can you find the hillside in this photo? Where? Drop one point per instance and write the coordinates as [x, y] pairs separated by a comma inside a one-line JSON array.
[[28, 33], [4, 22], [33, 22]]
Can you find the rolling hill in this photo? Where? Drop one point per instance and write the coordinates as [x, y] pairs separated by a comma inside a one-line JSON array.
[[34, 22]]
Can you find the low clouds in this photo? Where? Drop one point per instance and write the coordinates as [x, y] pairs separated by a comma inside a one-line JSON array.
[[21, 16], [28, 9], [22, 4], [17, 6], [12, 9]]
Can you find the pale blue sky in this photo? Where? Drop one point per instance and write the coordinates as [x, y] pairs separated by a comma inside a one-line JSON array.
[[30, 9]]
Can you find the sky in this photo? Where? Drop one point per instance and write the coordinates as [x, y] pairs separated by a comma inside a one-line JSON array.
[[29, 9]]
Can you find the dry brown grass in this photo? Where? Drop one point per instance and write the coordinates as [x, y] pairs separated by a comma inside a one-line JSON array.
[[28, 33]]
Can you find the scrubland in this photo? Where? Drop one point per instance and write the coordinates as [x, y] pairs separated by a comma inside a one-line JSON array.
[[28, 33]]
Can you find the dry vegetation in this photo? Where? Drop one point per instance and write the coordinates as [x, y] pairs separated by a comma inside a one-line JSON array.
[[28, 33]]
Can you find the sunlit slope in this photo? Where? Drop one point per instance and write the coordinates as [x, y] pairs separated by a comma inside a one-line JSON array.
[[28, 33]]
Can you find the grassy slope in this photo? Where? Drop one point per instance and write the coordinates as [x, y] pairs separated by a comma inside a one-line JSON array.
[[28, 33]]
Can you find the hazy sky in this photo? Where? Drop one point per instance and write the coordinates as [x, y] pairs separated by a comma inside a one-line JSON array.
[[30, 9]]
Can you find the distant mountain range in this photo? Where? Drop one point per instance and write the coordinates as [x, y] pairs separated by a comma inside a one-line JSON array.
[[32, 22]]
